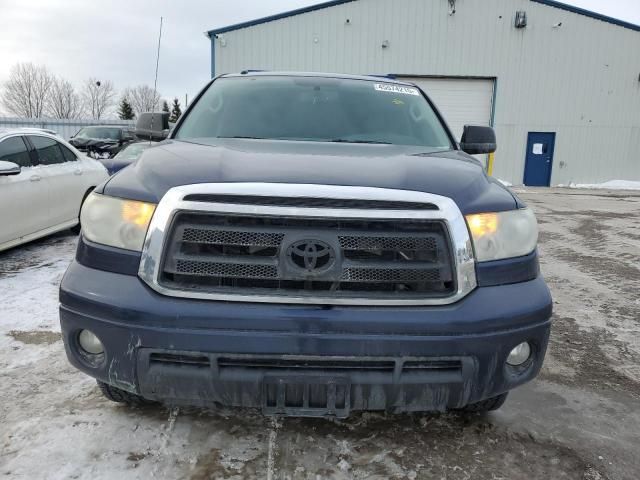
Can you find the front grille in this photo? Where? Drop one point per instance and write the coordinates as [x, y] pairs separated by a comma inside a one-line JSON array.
[[324, 365], [266, 255], [310, 365]]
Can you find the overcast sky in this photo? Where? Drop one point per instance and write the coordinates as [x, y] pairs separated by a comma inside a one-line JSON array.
[[117, 39]]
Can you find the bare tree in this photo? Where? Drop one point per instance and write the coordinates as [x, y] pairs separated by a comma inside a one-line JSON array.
[[25, 93], [98, 97], [63, 101], [143, 99]]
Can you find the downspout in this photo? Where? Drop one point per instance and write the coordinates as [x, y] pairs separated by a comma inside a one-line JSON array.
[[212, 39], [492, 156], [213, 55]]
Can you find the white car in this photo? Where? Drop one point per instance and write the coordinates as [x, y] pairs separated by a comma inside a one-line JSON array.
[[43, 182]]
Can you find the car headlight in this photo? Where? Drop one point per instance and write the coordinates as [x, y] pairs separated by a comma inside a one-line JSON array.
[[503, 234], [116, 222]]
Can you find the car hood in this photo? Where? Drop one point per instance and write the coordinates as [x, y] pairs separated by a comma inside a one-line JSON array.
[[93, 142], [452, 174]]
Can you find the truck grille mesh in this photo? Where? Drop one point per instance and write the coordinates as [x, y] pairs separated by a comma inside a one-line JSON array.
[[218, 237], [380, 275], [249, 254], [234, 270]]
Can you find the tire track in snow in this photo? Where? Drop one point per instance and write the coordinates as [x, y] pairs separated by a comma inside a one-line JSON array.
[[273, 444]]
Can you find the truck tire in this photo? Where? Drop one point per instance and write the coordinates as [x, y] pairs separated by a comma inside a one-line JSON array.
[[487, 405], [118, 395]]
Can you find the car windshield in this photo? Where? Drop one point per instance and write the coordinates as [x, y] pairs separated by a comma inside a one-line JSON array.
[[132, 152], [103, 133], [315, 109]]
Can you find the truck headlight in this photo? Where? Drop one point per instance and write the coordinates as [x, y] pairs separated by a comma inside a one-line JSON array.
[[503, 234], [116, 222]]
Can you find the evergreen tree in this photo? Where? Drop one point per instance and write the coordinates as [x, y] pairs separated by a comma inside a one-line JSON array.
[[165, 106], [176, 111], [125, 111]]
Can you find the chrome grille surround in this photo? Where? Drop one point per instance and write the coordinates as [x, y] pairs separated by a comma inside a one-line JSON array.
[[174, 202]]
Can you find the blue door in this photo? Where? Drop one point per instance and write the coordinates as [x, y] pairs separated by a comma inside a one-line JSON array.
[[539, 159]]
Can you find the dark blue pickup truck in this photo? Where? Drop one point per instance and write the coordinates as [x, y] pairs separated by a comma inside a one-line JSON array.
[[310, 245]]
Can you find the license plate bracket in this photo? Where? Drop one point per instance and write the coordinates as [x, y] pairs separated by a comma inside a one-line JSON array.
[[306, 396]]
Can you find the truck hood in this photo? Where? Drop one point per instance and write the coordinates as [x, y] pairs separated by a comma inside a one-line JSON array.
[[452, 174]]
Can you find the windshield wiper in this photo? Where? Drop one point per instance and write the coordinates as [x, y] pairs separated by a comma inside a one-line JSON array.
[[424, 154], [373, 142]]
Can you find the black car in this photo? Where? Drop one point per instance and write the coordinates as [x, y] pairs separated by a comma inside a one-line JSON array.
[[102, 141]]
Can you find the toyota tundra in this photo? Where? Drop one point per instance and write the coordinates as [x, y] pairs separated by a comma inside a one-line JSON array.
[[309, 245]]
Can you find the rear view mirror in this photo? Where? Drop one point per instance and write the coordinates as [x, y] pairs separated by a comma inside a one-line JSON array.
[[478, 139], [9, 168]]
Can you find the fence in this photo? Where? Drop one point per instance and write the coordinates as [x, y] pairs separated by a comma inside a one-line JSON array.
[[64, 128]]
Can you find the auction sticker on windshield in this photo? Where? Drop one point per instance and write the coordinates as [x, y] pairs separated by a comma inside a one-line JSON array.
[[385, 87]]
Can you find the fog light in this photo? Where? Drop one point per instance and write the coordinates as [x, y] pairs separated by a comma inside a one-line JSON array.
[[90, 343], [519, 354]]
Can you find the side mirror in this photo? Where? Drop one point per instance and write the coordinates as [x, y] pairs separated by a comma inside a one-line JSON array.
[[9, 168], [478, 139]]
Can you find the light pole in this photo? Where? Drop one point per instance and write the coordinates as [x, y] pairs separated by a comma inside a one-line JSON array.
[[96, 100]]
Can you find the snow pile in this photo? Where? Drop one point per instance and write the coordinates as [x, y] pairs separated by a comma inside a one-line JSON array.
[[610, 185]]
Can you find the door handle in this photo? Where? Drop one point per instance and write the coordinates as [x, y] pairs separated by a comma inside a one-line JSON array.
[[77, 172], [35, 178]]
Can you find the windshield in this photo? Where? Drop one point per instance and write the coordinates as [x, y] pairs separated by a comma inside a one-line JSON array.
[[104, 133], [132, 152], [315, 109]]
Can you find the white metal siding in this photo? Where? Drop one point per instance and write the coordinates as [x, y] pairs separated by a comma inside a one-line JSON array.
[[579, 80], [461, 101]]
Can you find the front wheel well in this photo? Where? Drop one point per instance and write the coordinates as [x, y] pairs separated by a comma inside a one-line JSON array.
[[78, 226]]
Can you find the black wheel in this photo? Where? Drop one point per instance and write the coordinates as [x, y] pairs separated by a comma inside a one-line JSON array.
[[118, 395], [488, 405], [76, 230]]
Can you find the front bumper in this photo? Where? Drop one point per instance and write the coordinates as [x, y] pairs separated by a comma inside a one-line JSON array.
[[198, 352]]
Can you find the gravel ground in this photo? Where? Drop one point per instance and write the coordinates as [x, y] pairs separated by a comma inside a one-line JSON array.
[[579, 420]]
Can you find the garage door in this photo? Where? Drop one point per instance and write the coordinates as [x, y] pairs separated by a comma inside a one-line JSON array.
[[462, 101]]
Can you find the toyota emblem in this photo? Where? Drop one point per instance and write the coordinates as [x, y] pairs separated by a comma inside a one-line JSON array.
[[312, 256]]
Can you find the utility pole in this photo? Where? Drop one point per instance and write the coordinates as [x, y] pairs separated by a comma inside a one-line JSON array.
[[95, 108]]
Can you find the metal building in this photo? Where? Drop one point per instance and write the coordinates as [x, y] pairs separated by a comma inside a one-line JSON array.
[[561, 85]]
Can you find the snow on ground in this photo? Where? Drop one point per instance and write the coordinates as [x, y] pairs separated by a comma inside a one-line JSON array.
[[610, 185], [579, 420], [504, 182], [29, 279]]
